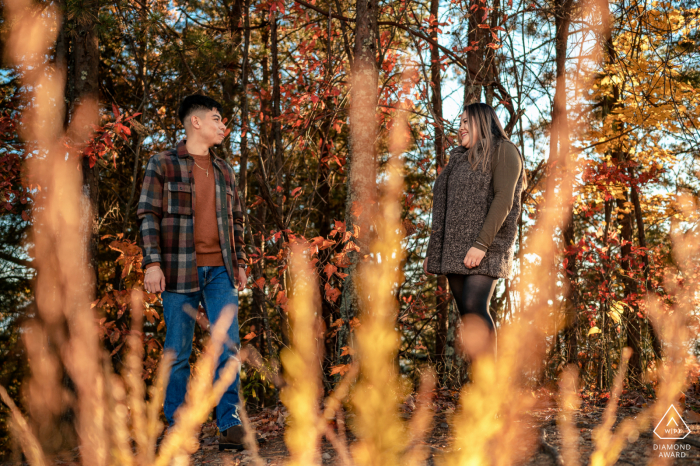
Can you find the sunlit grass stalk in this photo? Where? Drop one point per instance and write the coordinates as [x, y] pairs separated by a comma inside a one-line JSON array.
[[64, 280], [63, 284], [157, 395], [30, 445], [43, 389], [416, 452], [334, 409], [608, 445], [333, 402], [570, 404], [250, 441], [134, 380], [301, 364], [376, 398], [673, 322], [117, 417], [201, 396]]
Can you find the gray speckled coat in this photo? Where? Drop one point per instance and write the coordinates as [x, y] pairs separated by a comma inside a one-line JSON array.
[[461, 201]]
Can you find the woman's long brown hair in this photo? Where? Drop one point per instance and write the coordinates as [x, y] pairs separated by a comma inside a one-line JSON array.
[[484, 122]]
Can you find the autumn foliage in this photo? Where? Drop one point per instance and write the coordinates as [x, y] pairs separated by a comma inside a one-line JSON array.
[[601, 98]]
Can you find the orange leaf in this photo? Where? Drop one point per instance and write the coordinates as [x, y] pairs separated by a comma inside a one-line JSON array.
[[340, 226], [329, 270], [332, 293], [340, 369], [326, 244], [351, 246], [250, 336], [337, 323], [281, 297], [151, 314]]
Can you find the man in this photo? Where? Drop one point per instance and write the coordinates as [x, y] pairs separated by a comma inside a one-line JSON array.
[[191, 228]]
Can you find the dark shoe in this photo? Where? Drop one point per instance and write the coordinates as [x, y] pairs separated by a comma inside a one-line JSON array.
[[232, 439]]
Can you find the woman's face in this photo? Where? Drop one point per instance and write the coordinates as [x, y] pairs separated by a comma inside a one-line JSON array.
[[467, 137]]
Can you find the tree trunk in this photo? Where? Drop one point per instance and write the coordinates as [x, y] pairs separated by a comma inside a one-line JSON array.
[[634, 333], [362, 176], [229, 85], [443, 305], [243, 170], [276, 111], [476, 57], [631, 320], [84, 75], [641, 237], [560, 163]]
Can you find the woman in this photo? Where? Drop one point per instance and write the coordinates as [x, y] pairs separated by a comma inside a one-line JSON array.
[[476, 206]]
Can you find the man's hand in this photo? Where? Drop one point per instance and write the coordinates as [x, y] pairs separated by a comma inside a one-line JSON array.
[[425, 267], [154, 280], [473, 258], [242, 279]]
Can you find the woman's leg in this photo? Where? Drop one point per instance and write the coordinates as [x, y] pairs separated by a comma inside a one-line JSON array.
[[472, 294]]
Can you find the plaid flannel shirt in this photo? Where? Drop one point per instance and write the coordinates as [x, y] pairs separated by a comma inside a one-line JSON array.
[[166, 215]]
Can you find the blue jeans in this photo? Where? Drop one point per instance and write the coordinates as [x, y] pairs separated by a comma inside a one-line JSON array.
[[215, 292]]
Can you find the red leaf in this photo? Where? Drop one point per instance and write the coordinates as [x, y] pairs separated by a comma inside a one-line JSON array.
[[296, 192], [115, 110]]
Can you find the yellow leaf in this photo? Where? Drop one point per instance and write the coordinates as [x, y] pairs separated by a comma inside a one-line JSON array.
[[619, 306], [594, 330], [614, 316]]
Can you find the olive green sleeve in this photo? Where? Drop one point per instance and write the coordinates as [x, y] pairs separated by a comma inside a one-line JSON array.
[[506, 171]]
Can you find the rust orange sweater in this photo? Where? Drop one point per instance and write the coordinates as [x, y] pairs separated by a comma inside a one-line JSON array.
[[206, 231]]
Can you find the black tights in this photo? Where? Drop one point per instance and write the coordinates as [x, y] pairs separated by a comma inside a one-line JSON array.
[[473, 294]]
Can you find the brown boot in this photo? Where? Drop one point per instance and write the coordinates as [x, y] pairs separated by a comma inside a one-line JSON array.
[[232, 439]]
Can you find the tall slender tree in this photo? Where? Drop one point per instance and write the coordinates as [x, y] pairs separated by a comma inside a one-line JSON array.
[[83, 72], [362, 177]]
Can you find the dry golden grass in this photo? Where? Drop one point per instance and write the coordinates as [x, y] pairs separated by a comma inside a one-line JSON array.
[[570, 404], [302, 365], [111, 411]]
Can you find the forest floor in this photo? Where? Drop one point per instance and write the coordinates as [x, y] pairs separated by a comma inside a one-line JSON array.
[[270, 424], [543, 448]]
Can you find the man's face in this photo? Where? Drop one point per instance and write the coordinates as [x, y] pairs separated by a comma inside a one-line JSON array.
[[209, 125]]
